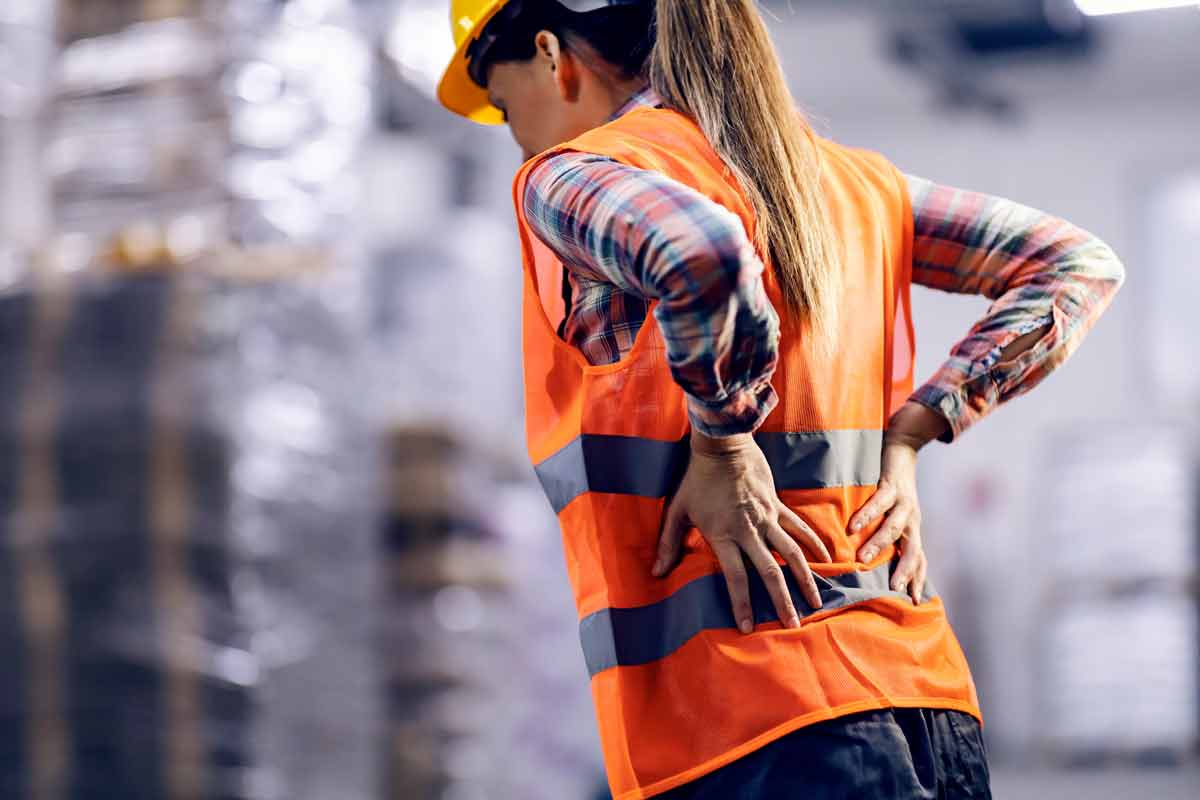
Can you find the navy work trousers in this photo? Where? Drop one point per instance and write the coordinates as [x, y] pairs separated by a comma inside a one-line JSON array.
[[890, 754]]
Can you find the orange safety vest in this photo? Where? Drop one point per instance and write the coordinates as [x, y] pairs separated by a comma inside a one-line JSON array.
[[678, 690]]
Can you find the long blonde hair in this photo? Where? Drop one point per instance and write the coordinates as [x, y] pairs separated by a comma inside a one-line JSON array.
[[714, 61]]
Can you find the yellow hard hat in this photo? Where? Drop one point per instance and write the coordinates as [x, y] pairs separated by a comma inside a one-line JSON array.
[[457, 91]]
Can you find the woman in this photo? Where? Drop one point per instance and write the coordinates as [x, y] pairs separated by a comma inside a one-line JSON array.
[[736, 480]]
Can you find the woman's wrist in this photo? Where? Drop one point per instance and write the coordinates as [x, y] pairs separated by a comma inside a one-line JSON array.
[[720, 445], [915, 425]]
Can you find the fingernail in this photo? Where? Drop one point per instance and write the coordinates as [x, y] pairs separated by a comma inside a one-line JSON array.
[[746, 626], [657, 570], [856, 526], [794, 622], [868, 555]]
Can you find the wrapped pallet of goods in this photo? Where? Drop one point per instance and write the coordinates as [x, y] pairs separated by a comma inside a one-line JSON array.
[[167, 558], [187, 543], [1120, 591], [486, 687], [446, 634]]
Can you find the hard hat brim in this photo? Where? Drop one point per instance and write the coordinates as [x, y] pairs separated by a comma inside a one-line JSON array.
[[458, 93]]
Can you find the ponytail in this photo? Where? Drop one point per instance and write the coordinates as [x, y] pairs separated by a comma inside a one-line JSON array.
[[714, 62]]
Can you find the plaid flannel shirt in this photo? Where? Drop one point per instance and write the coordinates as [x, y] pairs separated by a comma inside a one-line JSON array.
[[628, 236]]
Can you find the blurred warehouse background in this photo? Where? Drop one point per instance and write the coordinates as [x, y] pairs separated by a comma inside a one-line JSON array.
[[267, 527]]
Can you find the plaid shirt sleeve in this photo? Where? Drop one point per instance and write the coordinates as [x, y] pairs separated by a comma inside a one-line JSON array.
[[654, 237], [1041, 273]]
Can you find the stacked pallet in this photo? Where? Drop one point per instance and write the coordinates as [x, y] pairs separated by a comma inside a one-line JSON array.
[[446, 637], [154, 615], [186, 537], [479, 647], [1121, 618]]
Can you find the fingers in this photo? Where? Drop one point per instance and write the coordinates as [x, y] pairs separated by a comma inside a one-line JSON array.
[[893, 528], [794, 556], [772, 575], [795, 524], [730, 558], [910, 560], [918, 583], [670, 539], [883, 499]]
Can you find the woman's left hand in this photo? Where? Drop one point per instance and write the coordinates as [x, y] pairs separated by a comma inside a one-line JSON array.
[[896, 497], [728, 494]]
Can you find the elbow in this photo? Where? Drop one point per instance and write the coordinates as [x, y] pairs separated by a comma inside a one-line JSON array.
[[1118, 273], [1109, 264], [739, 264], [1105, 267]]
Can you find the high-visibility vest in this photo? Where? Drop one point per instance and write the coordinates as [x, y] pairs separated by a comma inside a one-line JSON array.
[[678, 690]]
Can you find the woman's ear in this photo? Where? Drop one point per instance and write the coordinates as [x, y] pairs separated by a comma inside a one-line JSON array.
[[563, 67]]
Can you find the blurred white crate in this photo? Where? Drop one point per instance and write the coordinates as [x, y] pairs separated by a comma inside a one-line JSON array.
[[1119, 504], [1120, 676]]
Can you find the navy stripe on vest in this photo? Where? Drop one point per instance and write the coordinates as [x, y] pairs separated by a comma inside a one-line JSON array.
[[621, 637], [651, 468]]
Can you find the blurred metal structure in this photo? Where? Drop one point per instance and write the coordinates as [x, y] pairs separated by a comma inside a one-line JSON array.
[[189, 549], [949, 42], [137, 134], [154, 617], [27, 48]]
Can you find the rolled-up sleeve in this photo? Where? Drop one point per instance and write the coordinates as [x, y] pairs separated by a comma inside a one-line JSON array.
[[657, 238]]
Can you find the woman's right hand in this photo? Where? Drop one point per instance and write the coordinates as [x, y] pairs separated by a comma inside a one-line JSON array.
[[910, 429]]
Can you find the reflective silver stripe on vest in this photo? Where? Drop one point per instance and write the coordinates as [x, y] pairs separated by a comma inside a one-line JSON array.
[[651, 468], [612, 464], [624, 637]]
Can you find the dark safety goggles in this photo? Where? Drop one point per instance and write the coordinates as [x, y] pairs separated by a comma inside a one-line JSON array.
[[478, 49]]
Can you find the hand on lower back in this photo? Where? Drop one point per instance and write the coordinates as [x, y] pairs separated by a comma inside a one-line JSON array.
[[896, 500], [728, 494]]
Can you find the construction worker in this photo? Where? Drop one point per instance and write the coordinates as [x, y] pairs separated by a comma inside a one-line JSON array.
[[718, 358]]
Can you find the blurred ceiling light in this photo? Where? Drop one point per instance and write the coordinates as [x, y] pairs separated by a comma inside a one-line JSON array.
[[420, 44], [188, 235], [458, 609], [258, 82], [259, 178], [303, 13], [12, 267], [1096, 8]]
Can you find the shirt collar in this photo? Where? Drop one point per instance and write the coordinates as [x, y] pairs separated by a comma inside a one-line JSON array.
[[645, 97]]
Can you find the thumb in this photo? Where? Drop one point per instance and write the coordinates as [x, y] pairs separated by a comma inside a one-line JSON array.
[[670, 538]]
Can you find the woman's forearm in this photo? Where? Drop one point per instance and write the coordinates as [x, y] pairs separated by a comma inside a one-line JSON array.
[[915, 425], [1050, 282]]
